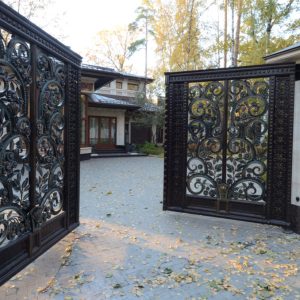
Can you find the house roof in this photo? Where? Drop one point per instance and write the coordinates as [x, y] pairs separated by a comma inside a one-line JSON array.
[[291, 48], [102, 75], [105, 75], [110, 102], [136, 77], [289, 54]]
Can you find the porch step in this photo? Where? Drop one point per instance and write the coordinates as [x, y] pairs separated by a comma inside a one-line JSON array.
[[118, 150], [127, 154]]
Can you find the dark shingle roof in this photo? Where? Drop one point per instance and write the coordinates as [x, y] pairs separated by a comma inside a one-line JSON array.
[[105, 75], [97, 68], [136, 77], [291, 48]]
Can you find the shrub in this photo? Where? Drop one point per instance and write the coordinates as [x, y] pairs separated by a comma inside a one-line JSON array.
[[149, 148]]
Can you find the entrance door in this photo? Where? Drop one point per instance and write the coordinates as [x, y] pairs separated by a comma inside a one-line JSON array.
[[102, 132], [39, 142], [229, 142]]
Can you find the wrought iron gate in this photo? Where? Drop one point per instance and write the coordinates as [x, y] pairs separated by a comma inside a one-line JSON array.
[[229, 142], [39, 144]]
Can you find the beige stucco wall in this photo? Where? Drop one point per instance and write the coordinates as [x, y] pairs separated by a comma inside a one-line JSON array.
[[296, 147], [117, 113], [112, 90]]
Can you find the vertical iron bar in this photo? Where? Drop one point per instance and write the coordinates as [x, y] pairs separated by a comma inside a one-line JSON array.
[[225, 127], [66, 192], [33, 102]]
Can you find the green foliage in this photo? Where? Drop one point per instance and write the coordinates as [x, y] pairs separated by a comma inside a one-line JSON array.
[[186, 40], [152, 149], [267, 26], [176, 32], [146, 117], [135, 46]]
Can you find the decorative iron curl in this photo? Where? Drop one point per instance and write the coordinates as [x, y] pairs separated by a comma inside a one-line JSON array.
[[249, 189], [201, 185], [12, 224], [18, 54], [197, 165]]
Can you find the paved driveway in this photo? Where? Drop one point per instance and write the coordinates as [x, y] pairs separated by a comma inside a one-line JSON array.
[[128, 248]]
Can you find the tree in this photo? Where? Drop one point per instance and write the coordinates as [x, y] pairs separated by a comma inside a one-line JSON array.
[[176, 32], [267, 26], [33, 9], [112, 49], [28, 8], [225, 33], [141, 24], [237, 32]]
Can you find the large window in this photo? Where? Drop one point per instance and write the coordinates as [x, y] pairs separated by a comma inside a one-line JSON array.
[[102, 131]]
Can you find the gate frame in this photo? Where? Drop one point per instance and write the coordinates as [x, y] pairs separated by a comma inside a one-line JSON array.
[[34, 243], [280, 140]]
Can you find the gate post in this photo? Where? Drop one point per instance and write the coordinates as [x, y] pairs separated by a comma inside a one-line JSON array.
[[175, 144], [281, 139], [73, 142]]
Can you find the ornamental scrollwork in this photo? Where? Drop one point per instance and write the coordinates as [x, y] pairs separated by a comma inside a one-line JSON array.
[[50, 139], [15, 132], [205, 127], [227, 139], [13, 223]]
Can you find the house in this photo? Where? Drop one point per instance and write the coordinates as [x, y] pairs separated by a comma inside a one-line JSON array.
[[292, 55], [108, 103]]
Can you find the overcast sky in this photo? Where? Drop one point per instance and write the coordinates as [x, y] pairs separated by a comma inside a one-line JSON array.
[[83, 19]]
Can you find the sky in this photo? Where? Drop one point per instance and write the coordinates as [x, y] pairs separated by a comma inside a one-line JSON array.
[[83, 19]]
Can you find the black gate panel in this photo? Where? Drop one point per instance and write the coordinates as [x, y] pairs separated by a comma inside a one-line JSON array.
[[229, 142], [39, 142]]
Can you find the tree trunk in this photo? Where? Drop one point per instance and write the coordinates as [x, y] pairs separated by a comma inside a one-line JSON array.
[[237, 32], [218, 40], [189, 34], [146, 55], [225, 33], [232, 33]]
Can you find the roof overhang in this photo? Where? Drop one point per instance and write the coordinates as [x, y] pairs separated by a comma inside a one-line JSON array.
[[98, 100], [287, 55], [101, 76], [135, 77]]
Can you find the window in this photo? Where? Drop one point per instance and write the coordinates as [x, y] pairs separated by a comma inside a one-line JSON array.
[[102, 131], [83, 110], [87, 86], [133, 86], [119, 84]]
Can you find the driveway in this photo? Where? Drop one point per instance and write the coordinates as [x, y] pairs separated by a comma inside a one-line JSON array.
[[128, 248]]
